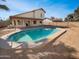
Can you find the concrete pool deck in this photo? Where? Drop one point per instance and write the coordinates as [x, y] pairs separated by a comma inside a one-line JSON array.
[[60, 49], [8, 32], [71, 38], [5, 31], [6, 35], [57, 51], [60, 32]]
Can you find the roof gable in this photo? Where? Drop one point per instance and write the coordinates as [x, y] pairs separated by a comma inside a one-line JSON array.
[[31, 11]]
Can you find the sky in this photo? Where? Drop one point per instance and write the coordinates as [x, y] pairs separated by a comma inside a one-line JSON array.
[[53, 8]]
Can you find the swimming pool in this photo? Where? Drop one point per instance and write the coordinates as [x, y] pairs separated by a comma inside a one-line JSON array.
[[32, 35]]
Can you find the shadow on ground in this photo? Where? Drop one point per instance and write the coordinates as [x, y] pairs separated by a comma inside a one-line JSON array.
[[49, 51], [4, 43]]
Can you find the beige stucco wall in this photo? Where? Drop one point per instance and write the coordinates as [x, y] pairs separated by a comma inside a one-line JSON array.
[[35, 14], [12, 22], [37, 23], [23, 23], [17, 25], [29, 15], [38, 14]]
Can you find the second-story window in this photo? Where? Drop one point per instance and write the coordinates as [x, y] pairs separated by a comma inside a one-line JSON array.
[[41, 15]]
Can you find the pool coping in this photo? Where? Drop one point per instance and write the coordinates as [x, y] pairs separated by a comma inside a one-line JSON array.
[[51, 38], [7, 35], [57, 34]]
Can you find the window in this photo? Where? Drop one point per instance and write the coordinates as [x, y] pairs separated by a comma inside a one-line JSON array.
[[34, 22], [28, 21], [40, 21], [19, 22], [41, 15]]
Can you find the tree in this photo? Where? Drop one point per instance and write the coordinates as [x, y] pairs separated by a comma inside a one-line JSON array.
[[74, 16], [70, 17], [4, 7], [77, 11]]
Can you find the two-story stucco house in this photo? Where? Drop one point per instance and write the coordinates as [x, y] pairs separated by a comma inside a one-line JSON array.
[[31, 18]]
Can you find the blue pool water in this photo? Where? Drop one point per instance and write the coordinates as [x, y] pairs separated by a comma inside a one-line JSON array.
[[32, 35]]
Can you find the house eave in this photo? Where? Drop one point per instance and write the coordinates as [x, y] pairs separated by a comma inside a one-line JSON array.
[[31, 11], [25, 18]]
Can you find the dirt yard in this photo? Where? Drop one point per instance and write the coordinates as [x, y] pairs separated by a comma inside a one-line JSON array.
[[71, 38], [65, 47]]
